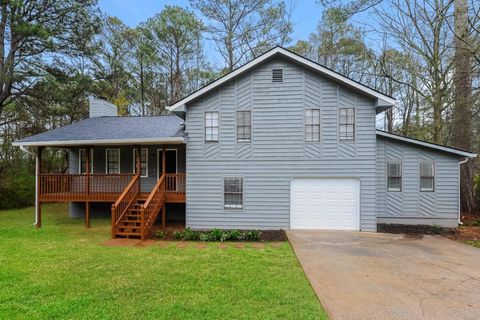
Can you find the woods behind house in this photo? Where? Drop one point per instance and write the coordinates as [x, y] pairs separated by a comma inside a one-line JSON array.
[[54, 54]]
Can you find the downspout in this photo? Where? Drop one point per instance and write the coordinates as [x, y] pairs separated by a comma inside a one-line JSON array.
[[459, 182], [36, 180]]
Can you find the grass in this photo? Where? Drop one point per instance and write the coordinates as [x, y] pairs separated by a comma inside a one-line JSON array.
[[475, 243], [60, 271]]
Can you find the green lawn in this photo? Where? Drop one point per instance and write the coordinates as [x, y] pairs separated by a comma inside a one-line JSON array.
[[60, 271], [475, 243]]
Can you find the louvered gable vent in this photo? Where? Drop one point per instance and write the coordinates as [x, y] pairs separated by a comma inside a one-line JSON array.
[[277, 75]]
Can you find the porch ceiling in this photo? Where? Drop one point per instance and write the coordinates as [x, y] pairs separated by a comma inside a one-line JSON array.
[[111, 131]]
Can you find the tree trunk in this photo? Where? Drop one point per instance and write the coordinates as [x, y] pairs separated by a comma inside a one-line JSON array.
[[462, 125]]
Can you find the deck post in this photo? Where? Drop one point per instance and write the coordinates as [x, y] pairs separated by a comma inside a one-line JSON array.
[[87, 214], [138, 166], [38, 203], [164, 215], [87, 204]]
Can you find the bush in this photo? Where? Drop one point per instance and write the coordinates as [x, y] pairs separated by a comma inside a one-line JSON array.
[[160, 234], [17, 188], [217, 235]]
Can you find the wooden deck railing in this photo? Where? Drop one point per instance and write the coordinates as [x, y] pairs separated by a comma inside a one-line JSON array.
[[152, 206], [82, 187], [175, 184], [125, 201]]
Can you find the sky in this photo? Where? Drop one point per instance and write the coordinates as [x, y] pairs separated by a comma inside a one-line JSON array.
[[305, 14]]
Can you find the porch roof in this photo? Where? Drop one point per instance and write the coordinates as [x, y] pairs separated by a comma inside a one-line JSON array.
[[111, 131]]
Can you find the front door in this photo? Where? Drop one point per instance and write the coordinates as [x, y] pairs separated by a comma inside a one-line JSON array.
[[170, 161]]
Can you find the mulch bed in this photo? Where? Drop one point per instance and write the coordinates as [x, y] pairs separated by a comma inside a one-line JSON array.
[[470, 230]]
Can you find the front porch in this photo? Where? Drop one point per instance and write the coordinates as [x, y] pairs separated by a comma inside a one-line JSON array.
[[137, 197]]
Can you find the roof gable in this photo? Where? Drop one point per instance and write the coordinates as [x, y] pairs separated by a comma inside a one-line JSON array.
[[383, 101]]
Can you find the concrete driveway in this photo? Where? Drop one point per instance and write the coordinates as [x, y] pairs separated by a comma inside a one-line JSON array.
[[359, 275]]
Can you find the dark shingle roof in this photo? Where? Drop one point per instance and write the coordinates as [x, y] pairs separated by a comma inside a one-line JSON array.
[[113, 128]]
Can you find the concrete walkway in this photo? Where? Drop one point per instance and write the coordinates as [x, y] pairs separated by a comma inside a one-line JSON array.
[[359, 275]]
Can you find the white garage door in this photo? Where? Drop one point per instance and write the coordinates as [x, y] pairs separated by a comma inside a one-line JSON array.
[[331, 204]]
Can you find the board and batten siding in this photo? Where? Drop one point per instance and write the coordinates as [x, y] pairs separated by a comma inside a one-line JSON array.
[[411, 206], [277, 152]]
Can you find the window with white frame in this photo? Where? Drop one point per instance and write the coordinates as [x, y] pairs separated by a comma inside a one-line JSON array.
[[346, 124], [427, 176], [394, 176], [211, 126], [113, 160], [143, 162], [233, 193], [312, 125], [244, 126], [83, 161]]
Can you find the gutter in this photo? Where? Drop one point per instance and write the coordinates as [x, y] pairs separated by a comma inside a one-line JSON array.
[[24, 149], [459, 182]]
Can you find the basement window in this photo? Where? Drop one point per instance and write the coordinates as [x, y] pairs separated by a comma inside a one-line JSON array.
[[277, 75], [233, 193]]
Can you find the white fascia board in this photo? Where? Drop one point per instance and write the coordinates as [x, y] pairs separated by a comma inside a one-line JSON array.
[[383, 100], [427, 144], [105, 142]]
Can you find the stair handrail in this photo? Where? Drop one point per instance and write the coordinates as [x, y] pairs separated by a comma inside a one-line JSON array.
[[125, 201], [151, 206]]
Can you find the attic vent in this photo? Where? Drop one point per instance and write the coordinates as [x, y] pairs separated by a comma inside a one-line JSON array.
[[277, 75]]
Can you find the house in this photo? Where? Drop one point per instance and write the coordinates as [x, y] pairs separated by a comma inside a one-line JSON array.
[[282, 142]]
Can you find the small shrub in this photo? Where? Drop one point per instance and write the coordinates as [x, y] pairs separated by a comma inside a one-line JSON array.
[[476, 223], [215, 235], [160, 234], [177, 235], [190, 235], [253, 235], [235, 235], [204, 236], [436, 228]]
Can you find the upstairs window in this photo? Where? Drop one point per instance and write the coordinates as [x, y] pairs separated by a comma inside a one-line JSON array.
[[312, 125], [394, 176], [233, 193], [277, 75], [244, 126], [211, 126], [113, 160], [427, 177], [347, 124], [143, 162], [83, 161]]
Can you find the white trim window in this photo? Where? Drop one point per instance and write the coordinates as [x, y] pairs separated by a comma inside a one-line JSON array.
[[427, 177], [112, 161], [346, 124], [82, 161], [211, 126], [394, 176], [143, 162], [233, 193], [312, 125], [244, 126]]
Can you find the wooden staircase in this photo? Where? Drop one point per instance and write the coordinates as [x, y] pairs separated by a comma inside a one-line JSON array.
[[130, 226], [134, 214]]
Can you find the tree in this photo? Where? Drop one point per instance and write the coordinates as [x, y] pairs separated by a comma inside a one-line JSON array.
[[30, 30], [174, 35], [462, 113], [242, 29]]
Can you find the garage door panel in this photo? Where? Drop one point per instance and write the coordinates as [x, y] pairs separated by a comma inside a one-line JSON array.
[[331, 204]]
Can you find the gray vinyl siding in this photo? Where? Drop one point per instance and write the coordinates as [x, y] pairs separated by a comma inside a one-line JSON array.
[[277, 152], [411, 206], [127, 161]]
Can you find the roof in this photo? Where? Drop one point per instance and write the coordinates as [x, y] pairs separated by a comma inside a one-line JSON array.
[[383, 101], [111, 131], [454, 151]]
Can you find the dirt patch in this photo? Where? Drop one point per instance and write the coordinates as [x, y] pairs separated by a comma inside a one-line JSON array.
[[273, 235]]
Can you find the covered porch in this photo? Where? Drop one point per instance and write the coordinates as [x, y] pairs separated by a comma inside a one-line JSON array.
[[136, 179]]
